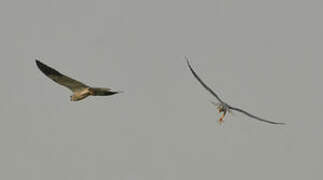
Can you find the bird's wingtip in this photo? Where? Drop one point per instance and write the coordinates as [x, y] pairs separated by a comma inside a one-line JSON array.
[[187, 59], [38, 62]]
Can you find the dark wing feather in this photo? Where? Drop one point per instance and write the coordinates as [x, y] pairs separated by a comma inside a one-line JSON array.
[[253, 116], [203, 84], [60, 78], [103, 91]]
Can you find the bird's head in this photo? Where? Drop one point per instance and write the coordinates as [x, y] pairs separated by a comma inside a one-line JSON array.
[[221, 107]]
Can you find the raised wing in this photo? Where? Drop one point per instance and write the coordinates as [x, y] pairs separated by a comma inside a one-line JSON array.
[[61, 79], [253, 116], [200, 80]]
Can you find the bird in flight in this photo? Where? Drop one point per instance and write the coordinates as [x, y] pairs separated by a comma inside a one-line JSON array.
[[222, 106], [80, 90]]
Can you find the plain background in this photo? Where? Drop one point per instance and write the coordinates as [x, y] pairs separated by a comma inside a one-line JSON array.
[[263, 56]]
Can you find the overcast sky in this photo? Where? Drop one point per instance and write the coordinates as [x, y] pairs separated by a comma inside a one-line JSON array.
[[263, 56]]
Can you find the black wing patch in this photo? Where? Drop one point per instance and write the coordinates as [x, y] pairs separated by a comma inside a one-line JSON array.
[[47, 70]]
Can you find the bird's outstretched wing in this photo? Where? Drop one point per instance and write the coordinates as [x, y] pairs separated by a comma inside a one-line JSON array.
[[95, 91], [61, 79], [253, 116], [200, 80]]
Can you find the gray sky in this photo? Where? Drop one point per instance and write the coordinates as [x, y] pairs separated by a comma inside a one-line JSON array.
[[263, 56]]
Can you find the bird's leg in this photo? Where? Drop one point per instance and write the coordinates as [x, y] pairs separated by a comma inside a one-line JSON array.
[[222, 117]]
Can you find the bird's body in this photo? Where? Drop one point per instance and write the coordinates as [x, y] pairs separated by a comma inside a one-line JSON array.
[[222, 106], [79, 95], [80, 90]]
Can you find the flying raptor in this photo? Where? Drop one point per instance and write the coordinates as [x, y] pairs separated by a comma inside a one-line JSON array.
[[80, 90], [223, 106]]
